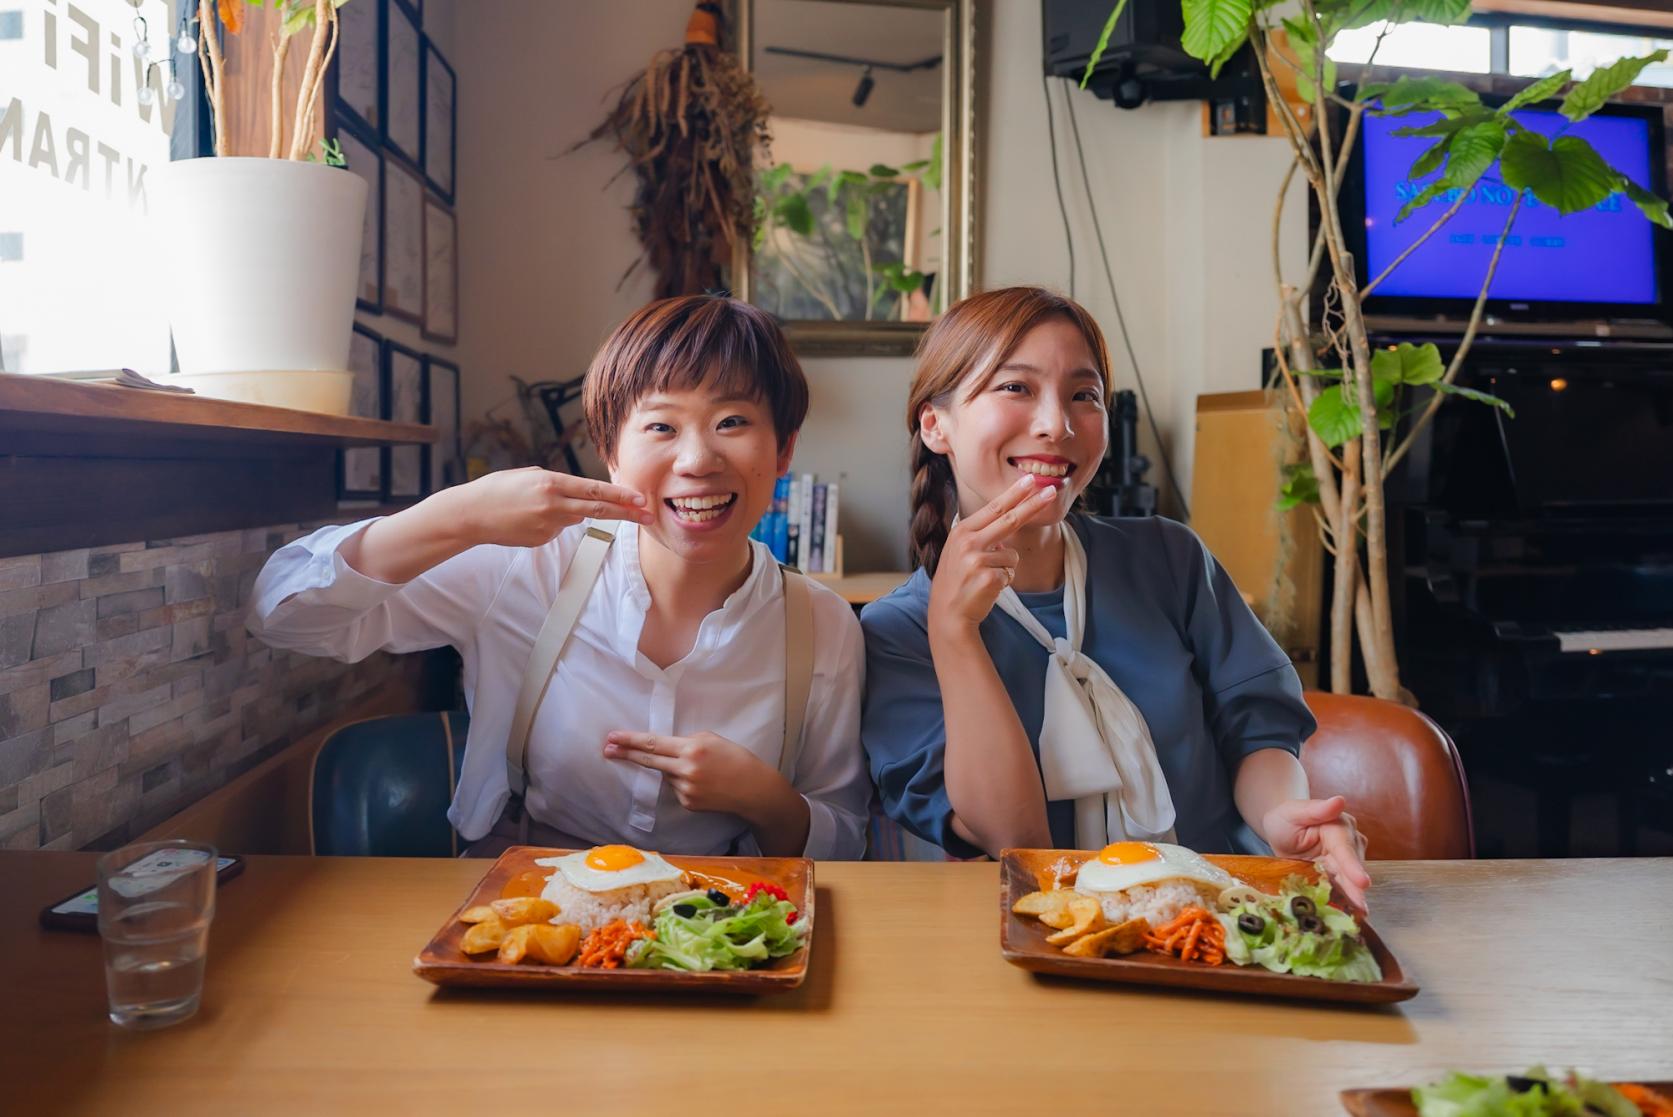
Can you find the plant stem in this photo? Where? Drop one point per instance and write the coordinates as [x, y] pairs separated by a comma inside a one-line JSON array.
[[1464, 344], [276, 122], [300, 141], [1347, 566], [1416, 244], [214, 69]]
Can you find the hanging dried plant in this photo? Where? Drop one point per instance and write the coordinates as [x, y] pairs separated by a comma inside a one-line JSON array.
[[691, 125]]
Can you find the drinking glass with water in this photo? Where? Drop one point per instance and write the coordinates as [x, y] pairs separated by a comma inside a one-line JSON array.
[[155, 903]]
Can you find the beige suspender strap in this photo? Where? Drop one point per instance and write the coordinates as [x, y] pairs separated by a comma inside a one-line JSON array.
[[548, 646], [798, 666]]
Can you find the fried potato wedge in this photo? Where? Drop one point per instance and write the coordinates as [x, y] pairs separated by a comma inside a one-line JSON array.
[[1039, 903], [524, 909], [531, 883], [555, 945], [1123, 938], [483, 937], [516, 944], [1086, 915]]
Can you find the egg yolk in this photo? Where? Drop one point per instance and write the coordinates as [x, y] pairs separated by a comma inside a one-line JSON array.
[[613, 859], [1128, 853]]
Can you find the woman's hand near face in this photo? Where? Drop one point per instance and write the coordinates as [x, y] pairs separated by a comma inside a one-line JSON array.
[[527, 507], [977, 562], [514, 508]]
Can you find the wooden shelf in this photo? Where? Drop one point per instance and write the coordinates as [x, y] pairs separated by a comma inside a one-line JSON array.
[[45, 416]]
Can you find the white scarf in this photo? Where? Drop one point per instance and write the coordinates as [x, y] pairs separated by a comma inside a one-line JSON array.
[[1095, 747]]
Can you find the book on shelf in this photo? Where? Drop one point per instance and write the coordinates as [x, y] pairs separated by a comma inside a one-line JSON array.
[[801, 526]]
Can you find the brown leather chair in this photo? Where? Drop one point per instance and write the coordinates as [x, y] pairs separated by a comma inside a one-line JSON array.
[[1399, 771]]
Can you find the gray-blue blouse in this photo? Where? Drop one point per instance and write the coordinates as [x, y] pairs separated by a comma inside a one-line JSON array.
[[1170, 628]]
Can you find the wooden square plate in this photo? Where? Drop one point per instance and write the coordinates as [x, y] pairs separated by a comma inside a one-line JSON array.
[[1398, 1103], [445, 964], [1022, 939]]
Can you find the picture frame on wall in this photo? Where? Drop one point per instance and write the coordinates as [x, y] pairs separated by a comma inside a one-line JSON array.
[[403, 242], [441, 273], [360, 468], [356, 91], [447, 458], [403, 70], [441, 122], [405, 468], [366, 160]]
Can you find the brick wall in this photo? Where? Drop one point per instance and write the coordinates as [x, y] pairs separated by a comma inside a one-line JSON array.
[[129, 688]]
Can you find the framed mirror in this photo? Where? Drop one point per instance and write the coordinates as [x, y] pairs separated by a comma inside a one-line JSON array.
[[865, 204]]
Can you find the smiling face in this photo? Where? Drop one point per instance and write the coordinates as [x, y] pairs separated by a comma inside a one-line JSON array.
[[706, 464], [1040, 413]]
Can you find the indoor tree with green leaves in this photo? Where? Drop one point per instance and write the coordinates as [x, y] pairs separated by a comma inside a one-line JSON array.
[[1356, 400]]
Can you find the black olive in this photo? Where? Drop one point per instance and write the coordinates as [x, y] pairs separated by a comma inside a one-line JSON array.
[[1311, 923], [1301, 905], [1521, 1085], [684, 911], [1250, 923], [719, 899]]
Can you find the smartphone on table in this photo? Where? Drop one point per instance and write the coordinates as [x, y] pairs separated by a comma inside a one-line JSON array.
[[79, 911]]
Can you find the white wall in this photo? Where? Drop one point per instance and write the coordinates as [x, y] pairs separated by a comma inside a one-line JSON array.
[[543, 239]]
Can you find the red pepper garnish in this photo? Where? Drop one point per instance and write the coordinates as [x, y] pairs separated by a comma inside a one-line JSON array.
[[759, 887]]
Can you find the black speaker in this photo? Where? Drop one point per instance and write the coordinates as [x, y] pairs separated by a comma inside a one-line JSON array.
[[1143, 60]]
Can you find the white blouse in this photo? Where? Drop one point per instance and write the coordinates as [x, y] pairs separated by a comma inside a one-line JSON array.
[[489, 603]]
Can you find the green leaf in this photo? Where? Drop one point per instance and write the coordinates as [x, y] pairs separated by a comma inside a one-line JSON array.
[[1473, 150], [1480, 397], [1300, 486], [1374, 91], [932, 175], [1334, 418], [1427, 94], [793, 210], [1103, 41], [1216, 63], [1450, 124], [856, 216], [1320, 373], [1569, 174], [883, 170], [1589, 96], [1431, 11], [1430, 161], [1211, 26], [1542, 90], [1408, 364], [1653, 207], [1424, 197], [1301, 41], [773, 177], [914, 167]]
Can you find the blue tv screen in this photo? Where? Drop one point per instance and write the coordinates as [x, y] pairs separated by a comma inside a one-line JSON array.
[[1603, 255]]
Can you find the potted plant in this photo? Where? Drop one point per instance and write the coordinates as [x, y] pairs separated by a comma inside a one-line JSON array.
[[264, 304], [1353, 397]]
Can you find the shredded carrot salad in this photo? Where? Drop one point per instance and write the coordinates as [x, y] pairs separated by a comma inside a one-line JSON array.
[[606, 947], [1194, 935]]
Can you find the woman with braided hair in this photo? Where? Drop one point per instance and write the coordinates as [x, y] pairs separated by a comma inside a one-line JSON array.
[[1053, 679]]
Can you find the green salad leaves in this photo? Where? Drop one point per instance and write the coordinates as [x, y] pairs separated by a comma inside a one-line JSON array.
[[700, 935], [1535, 1094], [1298, 931]]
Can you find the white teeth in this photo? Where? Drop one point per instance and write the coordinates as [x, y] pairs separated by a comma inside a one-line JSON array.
[[701, 509], [1041, 469]]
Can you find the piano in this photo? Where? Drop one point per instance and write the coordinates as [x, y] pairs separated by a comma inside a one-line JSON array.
[[1534, 614]]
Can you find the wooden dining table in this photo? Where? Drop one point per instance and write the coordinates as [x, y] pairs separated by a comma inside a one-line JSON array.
[[310, 1006]]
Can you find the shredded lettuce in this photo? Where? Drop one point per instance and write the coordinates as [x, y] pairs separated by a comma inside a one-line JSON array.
[[1336, 954], [715, 937], [1541, 1095]]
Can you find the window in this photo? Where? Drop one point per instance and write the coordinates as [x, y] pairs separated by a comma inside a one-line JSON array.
[[1537, 51], [1462, 48], [1498, 44], [78, 152]]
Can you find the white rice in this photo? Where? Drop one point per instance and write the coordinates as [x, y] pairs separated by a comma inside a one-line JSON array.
[[592, 910], [1157, 902]]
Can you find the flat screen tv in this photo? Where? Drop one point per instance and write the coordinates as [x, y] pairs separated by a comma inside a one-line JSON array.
[[1606, 263]]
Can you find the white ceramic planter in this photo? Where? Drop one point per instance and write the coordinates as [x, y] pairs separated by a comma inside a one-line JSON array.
[[265, 255]]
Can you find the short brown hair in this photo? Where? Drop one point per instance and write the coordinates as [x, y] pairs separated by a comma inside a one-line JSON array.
[[686, 342]]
